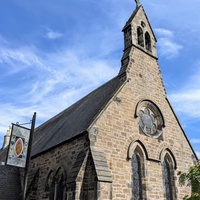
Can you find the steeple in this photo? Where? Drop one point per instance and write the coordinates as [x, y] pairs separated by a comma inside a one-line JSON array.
[[138, 34]]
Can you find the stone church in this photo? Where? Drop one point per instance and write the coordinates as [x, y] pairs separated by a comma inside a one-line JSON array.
[[122, 141]]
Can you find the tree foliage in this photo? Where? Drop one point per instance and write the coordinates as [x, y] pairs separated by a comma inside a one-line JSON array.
[[191, 178]]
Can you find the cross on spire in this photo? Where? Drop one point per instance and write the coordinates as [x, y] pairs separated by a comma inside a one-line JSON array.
[[137, 2]]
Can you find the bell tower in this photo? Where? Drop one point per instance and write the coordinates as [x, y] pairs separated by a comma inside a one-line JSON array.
[[138, 34]]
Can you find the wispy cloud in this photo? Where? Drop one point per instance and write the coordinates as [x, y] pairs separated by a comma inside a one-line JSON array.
[[10, 56], [164, 32], [195, 141], [167, 47], [54, 78], [187, 100], [19, 58], [53, 34]]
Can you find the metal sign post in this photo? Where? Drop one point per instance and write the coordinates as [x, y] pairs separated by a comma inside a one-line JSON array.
[[28, 156]]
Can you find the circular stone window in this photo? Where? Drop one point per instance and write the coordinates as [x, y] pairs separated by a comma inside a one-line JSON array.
[[150, 120]]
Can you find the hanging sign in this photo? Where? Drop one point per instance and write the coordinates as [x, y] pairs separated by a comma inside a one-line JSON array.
[[18, 146]]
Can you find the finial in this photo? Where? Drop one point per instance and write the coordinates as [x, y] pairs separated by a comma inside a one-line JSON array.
[[137, 2]]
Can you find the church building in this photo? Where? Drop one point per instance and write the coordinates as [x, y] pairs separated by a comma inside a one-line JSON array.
[[122, 141]]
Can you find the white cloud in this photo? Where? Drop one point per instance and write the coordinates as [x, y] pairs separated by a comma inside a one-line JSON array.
[[14, 55], [164, 32], [58, 79], [198, 154], [167, 47], [54, 80], [54, 34], [187, 100], [195, 141], [19, 58]]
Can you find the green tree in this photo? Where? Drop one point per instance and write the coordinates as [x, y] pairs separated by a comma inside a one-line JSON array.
[[191, 178]]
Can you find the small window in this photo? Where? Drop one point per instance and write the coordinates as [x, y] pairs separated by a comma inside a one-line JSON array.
[[147, 41], [143, 24], [140, 37]]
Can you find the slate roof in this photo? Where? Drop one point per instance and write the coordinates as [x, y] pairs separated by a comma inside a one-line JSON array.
[[74, 120]]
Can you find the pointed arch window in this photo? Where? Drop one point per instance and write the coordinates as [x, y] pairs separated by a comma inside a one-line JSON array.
[[137, 176], [50, 185], [56, 185], [52, 190], [138, 182], [147, 41], [168, 175], [60, 184], [140, 36]]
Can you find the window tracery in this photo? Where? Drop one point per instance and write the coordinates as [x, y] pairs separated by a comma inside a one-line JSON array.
[[151, 121]]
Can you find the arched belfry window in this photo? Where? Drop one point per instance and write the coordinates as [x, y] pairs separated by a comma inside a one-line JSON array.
[[138, 174], [140, 37], [168, 165], [147, 41]]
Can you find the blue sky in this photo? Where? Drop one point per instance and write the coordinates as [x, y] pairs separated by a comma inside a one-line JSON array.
[[52, 53]]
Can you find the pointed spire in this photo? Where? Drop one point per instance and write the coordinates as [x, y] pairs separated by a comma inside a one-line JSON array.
[[137, 3]]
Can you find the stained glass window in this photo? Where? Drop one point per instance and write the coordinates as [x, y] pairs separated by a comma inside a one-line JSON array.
[[137, 176], [168, 173]]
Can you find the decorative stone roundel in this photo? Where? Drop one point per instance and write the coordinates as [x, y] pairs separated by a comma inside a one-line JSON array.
[[150, 119]]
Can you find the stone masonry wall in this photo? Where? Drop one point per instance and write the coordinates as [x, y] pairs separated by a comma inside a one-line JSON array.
[[63, 156], [10, 187], [118, 128]]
